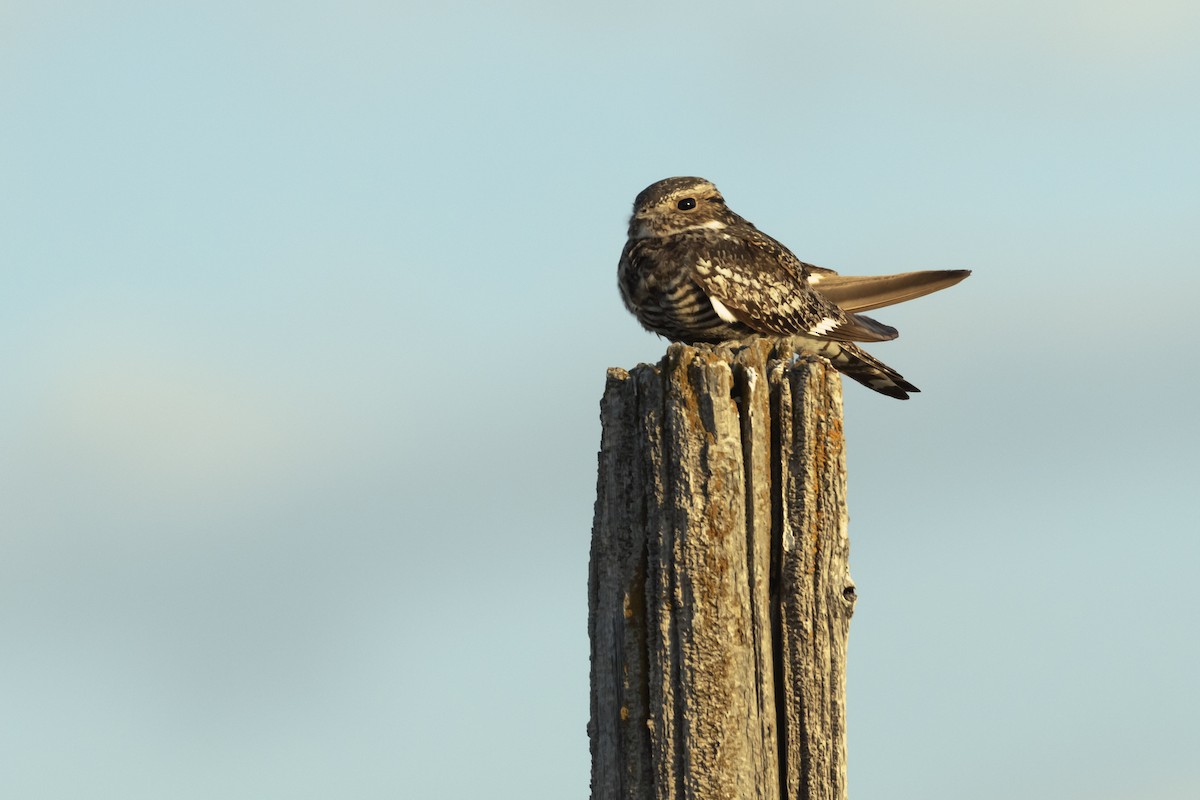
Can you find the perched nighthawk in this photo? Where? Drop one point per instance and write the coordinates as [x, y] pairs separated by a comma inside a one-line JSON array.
[[694, 271]]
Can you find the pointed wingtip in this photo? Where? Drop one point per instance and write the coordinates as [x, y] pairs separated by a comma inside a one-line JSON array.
[[900, 389], [862, 293]]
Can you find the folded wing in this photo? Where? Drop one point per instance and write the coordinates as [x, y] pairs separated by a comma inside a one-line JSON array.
[[759, 283]]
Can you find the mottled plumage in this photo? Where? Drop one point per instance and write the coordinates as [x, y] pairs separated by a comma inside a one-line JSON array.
[[694, 271]]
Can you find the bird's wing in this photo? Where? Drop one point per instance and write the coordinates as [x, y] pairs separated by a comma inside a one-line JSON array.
[[755, 280], [862, 293]]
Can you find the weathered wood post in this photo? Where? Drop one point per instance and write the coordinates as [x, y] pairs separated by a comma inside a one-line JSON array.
[[719, 588]]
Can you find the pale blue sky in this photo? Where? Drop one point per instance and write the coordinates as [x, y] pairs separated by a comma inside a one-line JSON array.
[[305, 311]]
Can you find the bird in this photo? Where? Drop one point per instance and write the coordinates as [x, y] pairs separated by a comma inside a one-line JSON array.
[[694, 271]]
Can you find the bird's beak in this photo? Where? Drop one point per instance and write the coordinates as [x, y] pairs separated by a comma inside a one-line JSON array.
[[640, 227]]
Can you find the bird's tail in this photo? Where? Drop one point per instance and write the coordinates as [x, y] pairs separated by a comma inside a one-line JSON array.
[[854, 362]]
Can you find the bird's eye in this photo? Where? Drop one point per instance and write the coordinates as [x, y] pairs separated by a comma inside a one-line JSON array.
[[686, 204]]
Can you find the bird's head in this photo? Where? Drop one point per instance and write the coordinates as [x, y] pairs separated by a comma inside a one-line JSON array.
[[675, 205]]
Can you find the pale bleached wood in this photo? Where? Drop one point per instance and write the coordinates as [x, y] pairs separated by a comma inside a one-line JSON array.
[[717, 649], [816, 595]]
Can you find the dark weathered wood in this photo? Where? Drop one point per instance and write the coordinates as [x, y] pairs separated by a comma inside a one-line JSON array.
[[719, 591]]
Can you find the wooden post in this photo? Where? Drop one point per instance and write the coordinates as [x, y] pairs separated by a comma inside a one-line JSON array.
[[719, 589]]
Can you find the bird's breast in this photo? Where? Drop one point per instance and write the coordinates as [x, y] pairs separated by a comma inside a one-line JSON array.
[[657, 285]]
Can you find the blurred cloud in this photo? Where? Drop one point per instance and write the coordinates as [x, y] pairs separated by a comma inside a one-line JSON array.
[[1106, 32], [158, 425]]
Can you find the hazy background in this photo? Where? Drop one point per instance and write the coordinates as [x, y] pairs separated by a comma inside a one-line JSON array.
[[305, 310]]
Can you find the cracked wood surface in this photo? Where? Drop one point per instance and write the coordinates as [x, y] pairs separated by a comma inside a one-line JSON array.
[[719, 588]]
